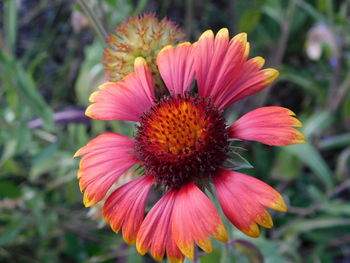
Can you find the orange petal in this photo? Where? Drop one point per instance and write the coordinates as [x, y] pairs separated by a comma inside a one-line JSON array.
[[105, 159], [251, 80], [243, 200], [268, 125], [194, 219], [223, 72], [218, 62], [113, 100], [155, 232], [125, 207]]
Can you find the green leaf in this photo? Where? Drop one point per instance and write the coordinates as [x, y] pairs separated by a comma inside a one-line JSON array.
[[304, 82], [9, 190], [307, 154], [249, 250], [307, 225], [317, 123], [21, 89], [13, 229], [236, 162], [335, 142], [249, 20], [90, 74], [10, 23], [27, 88], [8, 151], [286, 166], [336, 208]]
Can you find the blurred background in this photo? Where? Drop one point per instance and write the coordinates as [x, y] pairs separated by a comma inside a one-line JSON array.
[[50, 61]]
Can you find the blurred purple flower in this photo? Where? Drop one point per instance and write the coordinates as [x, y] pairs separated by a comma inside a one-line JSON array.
[[72, 115], [319, 37]]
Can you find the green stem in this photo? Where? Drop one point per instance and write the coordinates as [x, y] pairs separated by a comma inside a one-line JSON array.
[[95, 22]]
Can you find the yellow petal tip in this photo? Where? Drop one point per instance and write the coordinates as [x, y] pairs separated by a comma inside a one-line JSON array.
[[77, 153], [300, 138], [187, 250], [241, 37], [205, 245], [141, 250], [260, 61], [88, 112], [87, 202], [209, 33], [221, 233], [184, 44], [271, 75], [140, 61], [279, 205], [168, 47], [253, 231], [223, 33]]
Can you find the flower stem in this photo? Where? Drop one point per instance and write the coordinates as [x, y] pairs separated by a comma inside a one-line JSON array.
[[95, 22]]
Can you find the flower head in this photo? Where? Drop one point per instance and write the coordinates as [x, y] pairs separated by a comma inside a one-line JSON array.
[[181, 144], [139, 36]]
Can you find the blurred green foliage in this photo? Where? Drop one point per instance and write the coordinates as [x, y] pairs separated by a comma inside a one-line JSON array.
[[50, 61]]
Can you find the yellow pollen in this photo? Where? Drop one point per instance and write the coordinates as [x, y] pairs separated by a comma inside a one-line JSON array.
[[177, 129]]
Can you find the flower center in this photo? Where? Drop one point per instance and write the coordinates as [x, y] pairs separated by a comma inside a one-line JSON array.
[[180, 139]]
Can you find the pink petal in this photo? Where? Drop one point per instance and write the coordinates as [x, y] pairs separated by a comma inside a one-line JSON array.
[[155, 232], [218, 62], [268, 125], [176, 67], [251, 80], [124, 100], [194, 219], [243, 200], [125, 207], [223, 72], [105, 159]]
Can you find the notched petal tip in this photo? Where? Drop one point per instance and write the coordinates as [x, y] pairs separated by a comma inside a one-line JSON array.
[[176, 260], [77, 153], [127, 240], [241, 37], [221, 233], [278, 204], [299, 138], [253, 231], [271, 75], [187, 250], [88, 112], [106, 84], [246, 50], [88, 202], [207, 34], [141, 250], [206, 245], [184, 44], [223, 33], [93, 95], [140, 62], [157, 257], [297, 123], [265, 220], [259, 61], [168, 47]]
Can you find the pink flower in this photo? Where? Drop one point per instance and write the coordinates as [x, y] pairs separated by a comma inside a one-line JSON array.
[[181, 143]]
